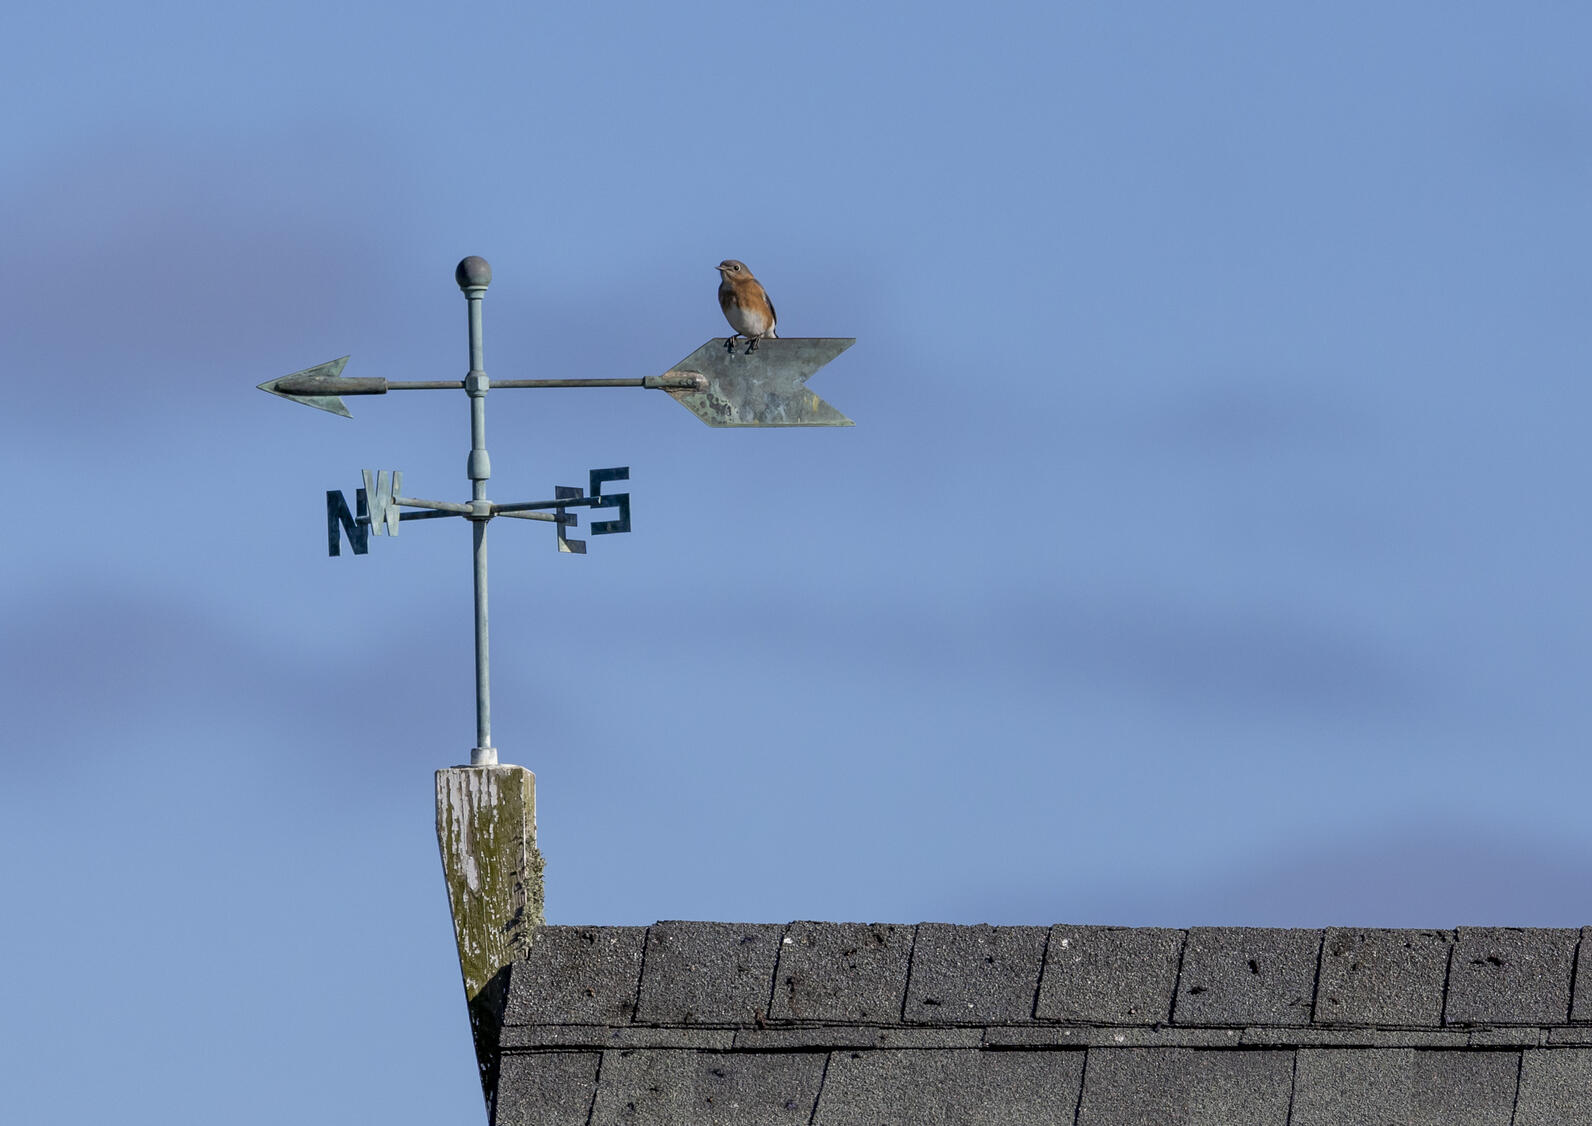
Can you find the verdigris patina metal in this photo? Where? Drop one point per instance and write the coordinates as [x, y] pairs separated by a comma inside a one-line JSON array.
[[720, 385], [766, 387]]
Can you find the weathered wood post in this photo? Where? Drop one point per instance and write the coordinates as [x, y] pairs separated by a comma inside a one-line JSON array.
[[486, 830]]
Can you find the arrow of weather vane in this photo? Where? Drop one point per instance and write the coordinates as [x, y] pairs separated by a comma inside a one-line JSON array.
[[720, 384]]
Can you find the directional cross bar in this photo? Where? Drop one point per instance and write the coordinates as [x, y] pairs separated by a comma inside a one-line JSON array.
[[377, 507]]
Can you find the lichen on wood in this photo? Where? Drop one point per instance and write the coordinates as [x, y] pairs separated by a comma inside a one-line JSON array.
[[486, 831]]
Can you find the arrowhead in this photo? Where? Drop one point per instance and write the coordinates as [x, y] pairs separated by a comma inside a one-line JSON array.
[[763, 388], [331, 369]]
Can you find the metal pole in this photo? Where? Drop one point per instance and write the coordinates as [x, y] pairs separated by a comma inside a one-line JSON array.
[[473, 276]]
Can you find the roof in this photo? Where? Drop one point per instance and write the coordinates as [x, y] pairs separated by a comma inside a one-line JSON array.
[[852, 1024]]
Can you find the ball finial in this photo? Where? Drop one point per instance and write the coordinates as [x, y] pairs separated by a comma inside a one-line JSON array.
[[473, 273]]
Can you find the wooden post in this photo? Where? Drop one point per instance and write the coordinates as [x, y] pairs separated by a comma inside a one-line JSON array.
[[486, 830]]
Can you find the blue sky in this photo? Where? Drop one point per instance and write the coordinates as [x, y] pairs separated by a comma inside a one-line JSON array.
[[1211, 546]]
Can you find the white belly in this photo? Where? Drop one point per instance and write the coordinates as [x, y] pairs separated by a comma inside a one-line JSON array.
[[749, 322]]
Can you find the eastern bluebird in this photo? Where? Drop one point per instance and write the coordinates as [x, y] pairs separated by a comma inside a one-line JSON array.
[[746, 306]]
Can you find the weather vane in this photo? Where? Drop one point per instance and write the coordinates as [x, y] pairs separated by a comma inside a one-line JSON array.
[[719, 383]]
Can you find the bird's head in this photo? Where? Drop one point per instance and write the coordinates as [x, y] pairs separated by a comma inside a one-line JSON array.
[[733, 268]]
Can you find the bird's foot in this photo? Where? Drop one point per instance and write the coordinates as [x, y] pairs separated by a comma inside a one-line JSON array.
[[752, 346], [729, 343]]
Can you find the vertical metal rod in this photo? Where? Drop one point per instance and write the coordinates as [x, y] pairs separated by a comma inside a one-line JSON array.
[[483, 753], [473, 276]]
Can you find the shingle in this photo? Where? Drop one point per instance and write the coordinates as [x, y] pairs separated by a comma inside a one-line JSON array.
[[1391, 977], [855, 1036], [1279, 1037], [1555, 1088], [1581, 1003], [707, 973], [577, 975], [546, 1088], [1364, 1087], [974, 974], [1503, 975], [1109, 975], [842, 972], [1509, 1036], [1247, 975], [1185, 1087], [950, 1088], [623, 1036], [672, 1088], [1078, 1036]]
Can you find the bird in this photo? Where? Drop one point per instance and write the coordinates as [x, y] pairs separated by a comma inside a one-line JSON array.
[[745, 303]]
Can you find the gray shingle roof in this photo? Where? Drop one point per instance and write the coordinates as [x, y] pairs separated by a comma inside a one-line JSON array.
[[846, 1024]]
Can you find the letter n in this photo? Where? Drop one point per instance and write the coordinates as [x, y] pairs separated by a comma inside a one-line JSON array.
[[338, 518]]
